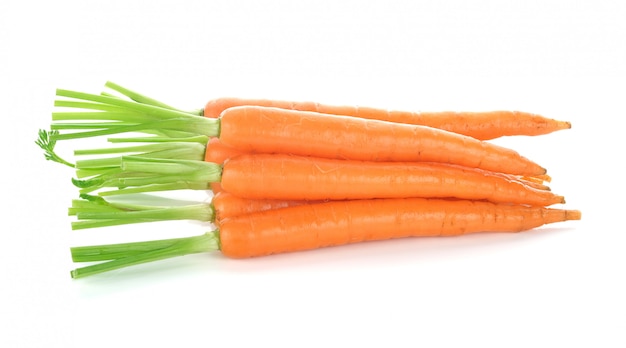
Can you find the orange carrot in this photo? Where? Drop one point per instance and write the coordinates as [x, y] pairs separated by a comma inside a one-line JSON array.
[[217, 152], [312, 226], [343, 222], [272, 130], [479, 125], [295, 178]]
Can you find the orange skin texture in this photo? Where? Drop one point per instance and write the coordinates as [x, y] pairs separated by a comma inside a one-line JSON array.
[[336, 223], [287, 177], [480, 125], [227, 205]]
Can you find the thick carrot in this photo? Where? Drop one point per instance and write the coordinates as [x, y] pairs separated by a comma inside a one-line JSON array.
[[479, 125], [274, 130], [343, 222], [287, 177], [327, 224]]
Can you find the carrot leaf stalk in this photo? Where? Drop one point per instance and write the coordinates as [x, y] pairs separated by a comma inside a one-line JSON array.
[[122, 116], [134, 174], [121, 255], [143, 99], [178, 150], [94, 211]]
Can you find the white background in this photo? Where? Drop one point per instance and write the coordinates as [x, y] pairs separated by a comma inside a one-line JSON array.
[[555, 286]]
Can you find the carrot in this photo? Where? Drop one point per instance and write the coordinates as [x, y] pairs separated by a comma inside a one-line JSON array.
[[274, 130], [286, 177], [293, 178], [479, 125], [219, 153], [312, 226]]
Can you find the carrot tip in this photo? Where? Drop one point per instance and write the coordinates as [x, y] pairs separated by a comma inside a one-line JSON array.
[[573, 215]]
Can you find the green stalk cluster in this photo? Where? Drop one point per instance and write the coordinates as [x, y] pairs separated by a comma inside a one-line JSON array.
[[168, 155]]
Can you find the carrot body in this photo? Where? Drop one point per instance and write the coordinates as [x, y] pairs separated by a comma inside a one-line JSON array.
[[287, 177], [272, 130], [343, 222], [479, 125], [217, 152]]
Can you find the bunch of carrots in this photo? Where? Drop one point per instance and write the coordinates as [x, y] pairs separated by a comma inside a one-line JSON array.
[[288, 176]]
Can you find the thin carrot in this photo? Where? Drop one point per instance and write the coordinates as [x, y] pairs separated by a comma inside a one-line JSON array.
[[219, 153], [312, 226], [479, 125], [294, 177], [286, 177], [274, 130]]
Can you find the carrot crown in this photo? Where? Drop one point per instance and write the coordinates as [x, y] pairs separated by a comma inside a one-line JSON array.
[[107, 114]]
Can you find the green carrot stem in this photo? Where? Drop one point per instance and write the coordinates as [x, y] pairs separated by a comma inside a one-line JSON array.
[[97, 212], [184, 150], [129, 254], [90, 125], [195, 126], [140, 117], [140, 175], [118, 114], [109, 115], [182, 185], [58, 116], [200, 139], [157, 112], [140, 98]]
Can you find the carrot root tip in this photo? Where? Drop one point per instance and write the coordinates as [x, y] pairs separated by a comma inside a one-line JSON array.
[[573, 215]]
